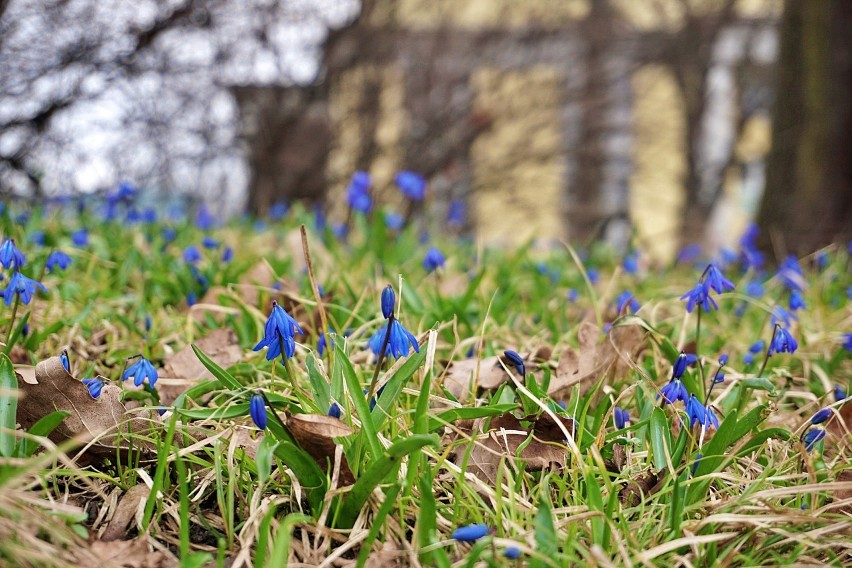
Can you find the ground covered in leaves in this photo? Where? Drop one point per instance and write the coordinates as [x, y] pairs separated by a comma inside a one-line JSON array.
[[549, 407]]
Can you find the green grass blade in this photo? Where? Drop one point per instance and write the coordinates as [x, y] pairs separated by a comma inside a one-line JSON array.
[[394, 386], [546, 543], [660, 435], [362, 408], [8, 406], [378, 522], [226, 379], [42, 428], [378, 472]]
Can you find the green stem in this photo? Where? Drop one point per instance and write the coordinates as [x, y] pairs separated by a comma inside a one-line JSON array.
[[382, 351], [12, 322], [698, 351]]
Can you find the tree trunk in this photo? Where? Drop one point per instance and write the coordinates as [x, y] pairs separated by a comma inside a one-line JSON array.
[[808, 199]]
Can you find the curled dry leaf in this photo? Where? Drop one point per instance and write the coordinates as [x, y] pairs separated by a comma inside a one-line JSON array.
[[125, 512], [104, 419], [595, 358], [183, 369], [316, 433], [501, 439]]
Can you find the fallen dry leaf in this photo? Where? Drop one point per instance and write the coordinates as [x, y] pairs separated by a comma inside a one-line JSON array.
[[643, 486], [843, 494], [595, 358], [104, 419], [315, 433], [183, 369], [125, 512], [134, 553], [461, 375], [503, 438]]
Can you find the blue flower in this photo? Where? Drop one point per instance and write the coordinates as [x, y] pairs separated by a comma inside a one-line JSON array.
[[141, 370], [757, 347], [126, 192], [755, 289], [191, 254], [699, 296], [169, 234], [433, 259], [358, 193], [37, 238], [572, 295], [680, 364], [821, 416], [323, 343], [839, 393], [227, 254], [22, 286], [719, 378], [280, 328], [812, 437], [394, 221], [512, 552], [334, 410], [278, 210], [191, 298], [631, 263], [847, 341], [717, 281], [412, 184], [689, 253], [517, 361], [696, 462], [210, 242], [63, 358], [748, 359], [457, 213], [783, 342], [257, 410], [674, 391], [712, 279], [699, 414], [821, 260], [388, 301], [797, 302], [470, 533], [723, 359], [400, 342], [622, 418], [750, 255], [626, 299], [593, 275], [80, 238], [790, 274], [204, 220], [10, 256], [95, 386], [58, 258]]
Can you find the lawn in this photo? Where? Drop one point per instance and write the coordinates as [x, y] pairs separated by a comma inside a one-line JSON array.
[[289, 391]]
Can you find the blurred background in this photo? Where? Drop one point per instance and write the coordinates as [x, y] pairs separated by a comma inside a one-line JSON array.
[[666, 121]]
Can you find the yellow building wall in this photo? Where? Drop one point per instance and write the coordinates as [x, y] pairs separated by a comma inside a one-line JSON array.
[[518, 177], [659, 160]]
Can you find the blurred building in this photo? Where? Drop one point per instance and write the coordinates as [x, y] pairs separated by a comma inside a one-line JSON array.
[[551, 118]]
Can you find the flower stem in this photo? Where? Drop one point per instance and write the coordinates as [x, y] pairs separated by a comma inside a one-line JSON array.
[[382, 351], [768, 351], [698, 351], [12, 321]]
